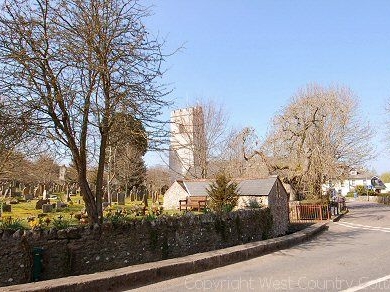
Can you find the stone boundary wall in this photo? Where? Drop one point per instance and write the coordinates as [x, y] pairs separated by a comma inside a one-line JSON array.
[[376, 199], [90, 249]]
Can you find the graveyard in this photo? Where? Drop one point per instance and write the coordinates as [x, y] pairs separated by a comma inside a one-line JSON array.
[[35, 208]]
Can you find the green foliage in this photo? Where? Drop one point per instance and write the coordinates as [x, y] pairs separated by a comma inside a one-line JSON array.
[[362, 191], [385, 177], [118, 217], [150, 217], [61, 223], [223, 194], [12, 224], [253, 203]]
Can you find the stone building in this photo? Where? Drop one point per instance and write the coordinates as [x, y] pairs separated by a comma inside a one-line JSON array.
[[187, 143], [268, 192]]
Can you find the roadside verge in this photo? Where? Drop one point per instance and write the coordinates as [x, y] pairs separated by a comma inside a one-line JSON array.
[[139, 275]]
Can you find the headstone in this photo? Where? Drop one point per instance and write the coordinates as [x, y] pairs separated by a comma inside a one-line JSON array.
[[28, 197], [114, 197], [47, 208], [7, 193], [13, 192], [61, 205], [25, 191], [133, 193], [73, 190], [121, 198], [68, 199], [155, 196], [6, 208], [140, 193], [38, 191], [40, 203]]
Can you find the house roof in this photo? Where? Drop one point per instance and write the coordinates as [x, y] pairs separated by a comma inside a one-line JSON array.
[[257, 187], [359, 174], [197, 188], [247, 187]]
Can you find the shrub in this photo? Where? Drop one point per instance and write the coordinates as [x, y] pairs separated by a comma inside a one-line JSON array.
[[117, 218], [223, 194], [61, 223], [362, 191], [13, 224], [253, 203]]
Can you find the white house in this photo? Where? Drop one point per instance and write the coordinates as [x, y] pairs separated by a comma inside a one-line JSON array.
[[355, 178]]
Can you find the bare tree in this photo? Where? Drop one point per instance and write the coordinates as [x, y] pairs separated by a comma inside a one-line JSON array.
[[158, 178], [72, 65], [234, 163], [317, 137], [14, 129]]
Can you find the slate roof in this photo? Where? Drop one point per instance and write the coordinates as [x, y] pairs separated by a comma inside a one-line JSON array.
[[197, 188], [247, 187], [257, 187]]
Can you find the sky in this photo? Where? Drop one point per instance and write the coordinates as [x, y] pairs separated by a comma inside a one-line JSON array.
[[252, 56]]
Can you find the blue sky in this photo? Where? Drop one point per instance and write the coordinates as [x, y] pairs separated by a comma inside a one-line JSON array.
[[252, 56]]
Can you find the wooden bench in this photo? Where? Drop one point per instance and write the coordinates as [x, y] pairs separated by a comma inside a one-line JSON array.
[[193, 202]]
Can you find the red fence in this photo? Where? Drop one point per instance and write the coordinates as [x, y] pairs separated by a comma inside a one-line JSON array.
[[304, 213]]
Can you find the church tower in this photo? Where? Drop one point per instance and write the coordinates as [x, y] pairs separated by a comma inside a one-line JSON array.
[[187, 143]]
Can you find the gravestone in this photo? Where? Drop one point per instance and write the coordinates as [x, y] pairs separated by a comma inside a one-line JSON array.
[[6, 208], [105, 205], [133, 193], [44, 194], [121, 198], [140, 193], [73, 190], [68, 199], [7, 193], [47, 208], [61, 205], [114, 197], [26, 194], [29, 197], [38, 191], [14, 193], [40, 203]]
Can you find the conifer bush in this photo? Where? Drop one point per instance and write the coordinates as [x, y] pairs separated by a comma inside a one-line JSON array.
[[223, 193]]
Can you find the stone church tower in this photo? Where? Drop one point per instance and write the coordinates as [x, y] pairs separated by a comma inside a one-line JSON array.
[[187, 143]]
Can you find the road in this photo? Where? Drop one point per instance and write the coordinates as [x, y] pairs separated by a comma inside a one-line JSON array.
[[353, 255]]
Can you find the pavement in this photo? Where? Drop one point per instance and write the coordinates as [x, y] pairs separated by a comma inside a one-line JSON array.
[[145, 274]]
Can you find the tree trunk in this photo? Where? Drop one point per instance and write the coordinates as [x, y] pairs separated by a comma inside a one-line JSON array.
[[100, 173]]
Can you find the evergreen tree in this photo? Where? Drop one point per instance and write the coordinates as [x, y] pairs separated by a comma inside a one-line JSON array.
[[223, 193]]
